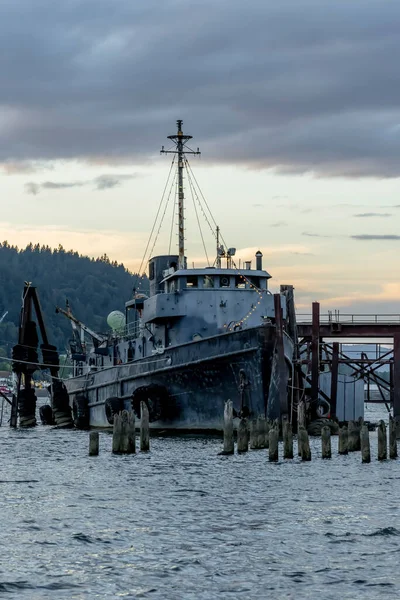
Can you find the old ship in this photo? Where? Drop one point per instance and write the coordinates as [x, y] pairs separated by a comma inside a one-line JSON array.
[[199, 337]]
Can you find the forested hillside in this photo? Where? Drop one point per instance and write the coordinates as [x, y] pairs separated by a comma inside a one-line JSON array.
[[94, 287]]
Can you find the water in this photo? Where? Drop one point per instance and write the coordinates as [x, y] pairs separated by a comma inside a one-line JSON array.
[[184, 523]]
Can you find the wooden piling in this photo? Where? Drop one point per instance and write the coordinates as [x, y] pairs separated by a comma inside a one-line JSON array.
[[343, 440], [144, 427], [353, 443], [262, 430], [242, 437], [287, 439], [365, 445], [131, 433], [301, 414], [94, 443], [266, 433], [229, 444], [124, 433], [273, 444], [117, 431], [254, 436], [326, 442], [392, 438], [382, 441], [304, 444]]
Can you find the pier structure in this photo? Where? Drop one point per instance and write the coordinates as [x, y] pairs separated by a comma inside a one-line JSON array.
[[320, 349]]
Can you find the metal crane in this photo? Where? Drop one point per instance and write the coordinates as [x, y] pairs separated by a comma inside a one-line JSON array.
[[67, 313]]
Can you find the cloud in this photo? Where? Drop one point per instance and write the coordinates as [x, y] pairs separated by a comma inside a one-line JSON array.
[[32, 188], [373, 214], [103, 182], [107, 89], [316, 235], [24, 167], [278, 224], [375, 237]]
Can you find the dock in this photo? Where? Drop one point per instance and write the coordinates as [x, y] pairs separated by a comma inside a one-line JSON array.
[[320, 346]]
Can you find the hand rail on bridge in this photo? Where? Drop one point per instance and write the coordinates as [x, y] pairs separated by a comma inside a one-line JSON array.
[[337, 317]]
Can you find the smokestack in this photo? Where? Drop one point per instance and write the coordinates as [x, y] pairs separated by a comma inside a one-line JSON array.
[[259, 261]]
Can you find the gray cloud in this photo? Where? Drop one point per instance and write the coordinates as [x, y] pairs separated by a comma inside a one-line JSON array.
[[278, 224], [32, 188], [103, 182], [316, 235], [372, 214], [375, 237], [108, 88]]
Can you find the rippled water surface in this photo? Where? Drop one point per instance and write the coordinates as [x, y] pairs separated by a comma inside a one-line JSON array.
[[183, 522]]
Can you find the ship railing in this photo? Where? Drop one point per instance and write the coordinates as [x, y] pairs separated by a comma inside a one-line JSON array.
[[131, 330], [344, 318]]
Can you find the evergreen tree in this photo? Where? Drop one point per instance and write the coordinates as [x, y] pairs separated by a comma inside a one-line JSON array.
[[93, 287]]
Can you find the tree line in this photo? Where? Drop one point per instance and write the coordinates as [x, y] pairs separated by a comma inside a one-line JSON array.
[[93, 286]]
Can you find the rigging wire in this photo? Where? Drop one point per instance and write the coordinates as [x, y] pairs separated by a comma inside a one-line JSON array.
[[139, 276], [198, 200], [201, 193], [163, 215], [197, 216], [239, 273]]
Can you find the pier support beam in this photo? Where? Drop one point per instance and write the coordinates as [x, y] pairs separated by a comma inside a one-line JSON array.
[[334, 377], [315, 352], [396, 382], [277, 398]]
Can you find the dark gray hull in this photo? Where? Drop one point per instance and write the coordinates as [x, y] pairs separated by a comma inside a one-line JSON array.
[[198, 378]]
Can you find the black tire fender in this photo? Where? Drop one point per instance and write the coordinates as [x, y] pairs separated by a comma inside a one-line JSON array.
[[156, 398], [113, 406]]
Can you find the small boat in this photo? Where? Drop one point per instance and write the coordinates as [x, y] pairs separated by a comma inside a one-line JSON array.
[[195, 338]]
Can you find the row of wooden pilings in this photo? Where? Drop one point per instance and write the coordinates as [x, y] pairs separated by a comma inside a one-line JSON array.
[[124, 433], [259, 433]]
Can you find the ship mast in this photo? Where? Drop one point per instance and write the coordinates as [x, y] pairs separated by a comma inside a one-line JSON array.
[[180, 149]]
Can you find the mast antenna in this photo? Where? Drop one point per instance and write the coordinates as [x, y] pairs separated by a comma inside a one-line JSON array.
[[181, 149]]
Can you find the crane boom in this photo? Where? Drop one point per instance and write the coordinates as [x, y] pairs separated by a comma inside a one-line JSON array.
[[74, 320]]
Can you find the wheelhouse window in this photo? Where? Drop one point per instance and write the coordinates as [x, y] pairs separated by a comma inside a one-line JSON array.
[[240, 282], [208, 282], [191, 281], [255, 281]]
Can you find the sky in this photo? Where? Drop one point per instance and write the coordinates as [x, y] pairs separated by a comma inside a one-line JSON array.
[[295, 107]]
